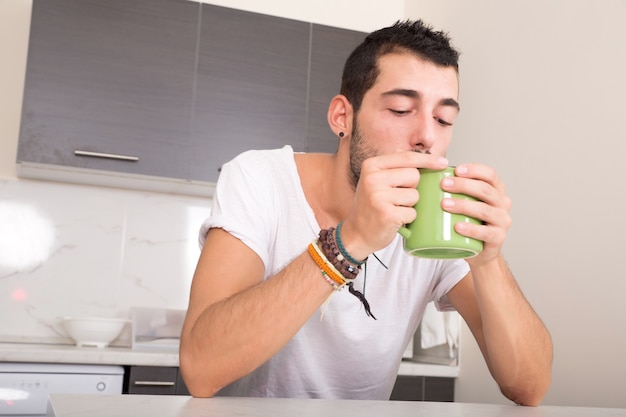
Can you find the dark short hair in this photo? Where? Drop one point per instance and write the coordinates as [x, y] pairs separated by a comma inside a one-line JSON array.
[[361, 69]]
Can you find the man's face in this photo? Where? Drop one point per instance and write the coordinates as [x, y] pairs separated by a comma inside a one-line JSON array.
[[412, 106]]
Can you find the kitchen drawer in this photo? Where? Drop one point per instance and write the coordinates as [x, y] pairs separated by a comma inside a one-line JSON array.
[[423, 388], [157, 380]]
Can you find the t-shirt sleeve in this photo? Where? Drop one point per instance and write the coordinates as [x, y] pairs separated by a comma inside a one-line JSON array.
[[450, 273], [241, 202]]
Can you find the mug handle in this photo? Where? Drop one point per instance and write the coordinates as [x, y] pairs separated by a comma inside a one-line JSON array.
[[404, 232]]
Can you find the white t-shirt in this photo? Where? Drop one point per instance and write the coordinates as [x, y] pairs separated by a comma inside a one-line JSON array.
[[345, 353]]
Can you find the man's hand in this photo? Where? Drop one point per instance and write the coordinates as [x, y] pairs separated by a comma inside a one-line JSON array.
[[384, 200], [481, 182]]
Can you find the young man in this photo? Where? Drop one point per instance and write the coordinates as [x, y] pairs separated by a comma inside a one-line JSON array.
[[261, 319]]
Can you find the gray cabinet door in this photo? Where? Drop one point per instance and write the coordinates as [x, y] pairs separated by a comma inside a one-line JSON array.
[[330, 47], [251, 87], [176, 86], [112, 77]]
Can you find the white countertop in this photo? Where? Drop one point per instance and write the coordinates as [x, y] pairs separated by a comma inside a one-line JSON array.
[[66, 405], [52, 353], [48, 353]]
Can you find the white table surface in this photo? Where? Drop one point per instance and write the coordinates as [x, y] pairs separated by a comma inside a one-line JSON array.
[[75, 405]]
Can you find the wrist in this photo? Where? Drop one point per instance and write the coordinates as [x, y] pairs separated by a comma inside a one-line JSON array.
[[338, 267], [488, 270], [349, 246]]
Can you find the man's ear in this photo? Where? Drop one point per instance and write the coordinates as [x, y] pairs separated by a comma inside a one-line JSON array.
[[340, 115]]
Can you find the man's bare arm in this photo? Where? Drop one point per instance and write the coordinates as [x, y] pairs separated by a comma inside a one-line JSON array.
[[235, 320]]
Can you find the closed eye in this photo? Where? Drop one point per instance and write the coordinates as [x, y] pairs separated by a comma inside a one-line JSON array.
[[442, 122], [400, 112]]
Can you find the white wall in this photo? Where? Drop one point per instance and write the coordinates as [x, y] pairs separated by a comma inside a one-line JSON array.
[[70, 250], [363, 15], [14, 27], [543, 92]]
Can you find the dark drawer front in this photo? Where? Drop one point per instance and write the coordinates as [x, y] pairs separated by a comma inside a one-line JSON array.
[[152, 380], [421, 388]]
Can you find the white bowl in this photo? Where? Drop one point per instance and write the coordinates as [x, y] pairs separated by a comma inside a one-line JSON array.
[[93, 331]]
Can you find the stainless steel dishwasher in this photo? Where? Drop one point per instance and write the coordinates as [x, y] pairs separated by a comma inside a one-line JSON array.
[[24, 387]]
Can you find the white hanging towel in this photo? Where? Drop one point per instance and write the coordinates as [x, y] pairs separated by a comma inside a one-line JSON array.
[[438, 328]]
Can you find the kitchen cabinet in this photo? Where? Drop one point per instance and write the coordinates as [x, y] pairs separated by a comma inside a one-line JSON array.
[[161, 380], [415, 381], [330, 47], [423, 388], [111, 79], [166, 90], [251, 86], [154, 380], [181, 388]]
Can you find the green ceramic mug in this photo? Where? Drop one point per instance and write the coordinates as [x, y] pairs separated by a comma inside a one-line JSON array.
[[431, 234]]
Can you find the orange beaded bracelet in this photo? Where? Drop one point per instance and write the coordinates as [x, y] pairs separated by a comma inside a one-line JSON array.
[[328, 270], [331, 273]]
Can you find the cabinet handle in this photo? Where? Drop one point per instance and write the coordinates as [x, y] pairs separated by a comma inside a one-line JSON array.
[[155, 383], [106, 155]]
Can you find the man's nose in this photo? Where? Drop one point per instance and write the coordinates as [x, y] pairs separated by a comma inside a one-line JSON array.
[[424, 134]]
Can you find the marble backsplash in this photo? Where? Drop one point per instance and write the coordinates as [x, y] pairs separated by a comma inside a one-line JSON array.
[[73, 250]]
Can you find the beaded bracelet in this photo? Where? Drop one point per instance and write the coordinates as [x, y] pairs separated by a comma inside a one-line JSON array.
[[329, 272], [324, 248], [343, 250], [329, 249]]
